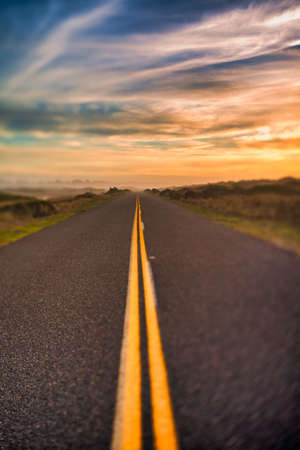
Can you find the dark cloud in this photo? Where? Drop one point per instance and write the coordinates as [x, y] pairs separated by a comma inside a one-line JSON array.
[[46, 118], [26, 119], [103, 120], [285, 55], [231, 126], [178, 85]]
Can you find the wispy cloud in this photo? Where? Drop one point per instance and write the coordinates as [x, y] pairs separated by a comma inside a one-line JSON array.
[[69, 66], [58, 43]]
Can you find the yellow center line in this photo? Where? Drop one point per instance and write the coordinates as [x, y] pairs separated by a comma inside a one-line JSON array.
[[162, 413], [127, 429]]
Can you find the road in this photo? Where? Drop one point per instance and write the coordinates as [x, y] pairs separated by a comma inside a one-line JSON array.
[[210, 347]]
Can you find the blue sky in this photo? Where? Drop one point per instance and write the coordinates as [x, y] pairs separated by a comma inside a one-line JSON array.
[[159, 92]]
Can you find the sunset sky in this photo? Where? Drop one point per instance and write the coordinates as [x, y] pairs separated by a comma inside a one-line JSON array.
[[149, 92]]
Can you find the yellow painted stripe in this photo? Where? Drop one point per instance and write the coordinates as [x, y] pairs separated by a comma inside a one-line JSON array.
[[127, 430], [162, 414]]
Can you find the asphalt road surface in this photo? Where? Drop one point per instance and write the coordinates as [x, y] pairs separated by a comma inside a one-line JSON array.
[[218, 345]]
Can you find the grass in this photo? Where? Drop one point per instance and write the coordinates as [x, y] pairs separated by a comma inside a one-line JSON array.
[[13, 230], [283, 234]]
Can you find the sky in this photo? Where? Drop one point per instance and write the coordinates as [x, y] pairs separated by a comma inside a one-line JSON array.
[[149, 92]]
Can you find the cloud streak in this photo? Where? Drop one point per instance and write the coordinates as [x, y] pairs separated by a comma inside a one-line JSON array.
[[58, 42], [94, 70]]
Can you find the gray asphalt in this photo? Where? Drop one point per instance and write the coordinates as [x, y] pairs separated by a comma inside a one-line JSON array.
[[228, 308]]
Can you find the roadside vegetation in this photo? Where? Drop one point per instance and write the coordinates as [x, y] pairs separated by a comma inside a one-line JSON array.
[[21, 216], [266, 208]]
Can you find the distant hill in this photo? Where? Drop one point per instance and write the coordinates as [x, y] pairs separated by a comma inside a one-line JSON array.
[[5, 197]]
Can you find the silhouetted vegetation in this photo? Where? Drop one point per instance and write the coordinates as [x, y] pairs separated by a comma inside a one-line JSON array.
[[115, 190], [153, 191], [86, 195], [33, 208], [112, 190]]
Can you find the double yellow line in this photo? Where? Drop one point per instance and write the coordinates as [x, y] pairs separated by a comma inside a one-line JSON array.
[[127, 430]]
